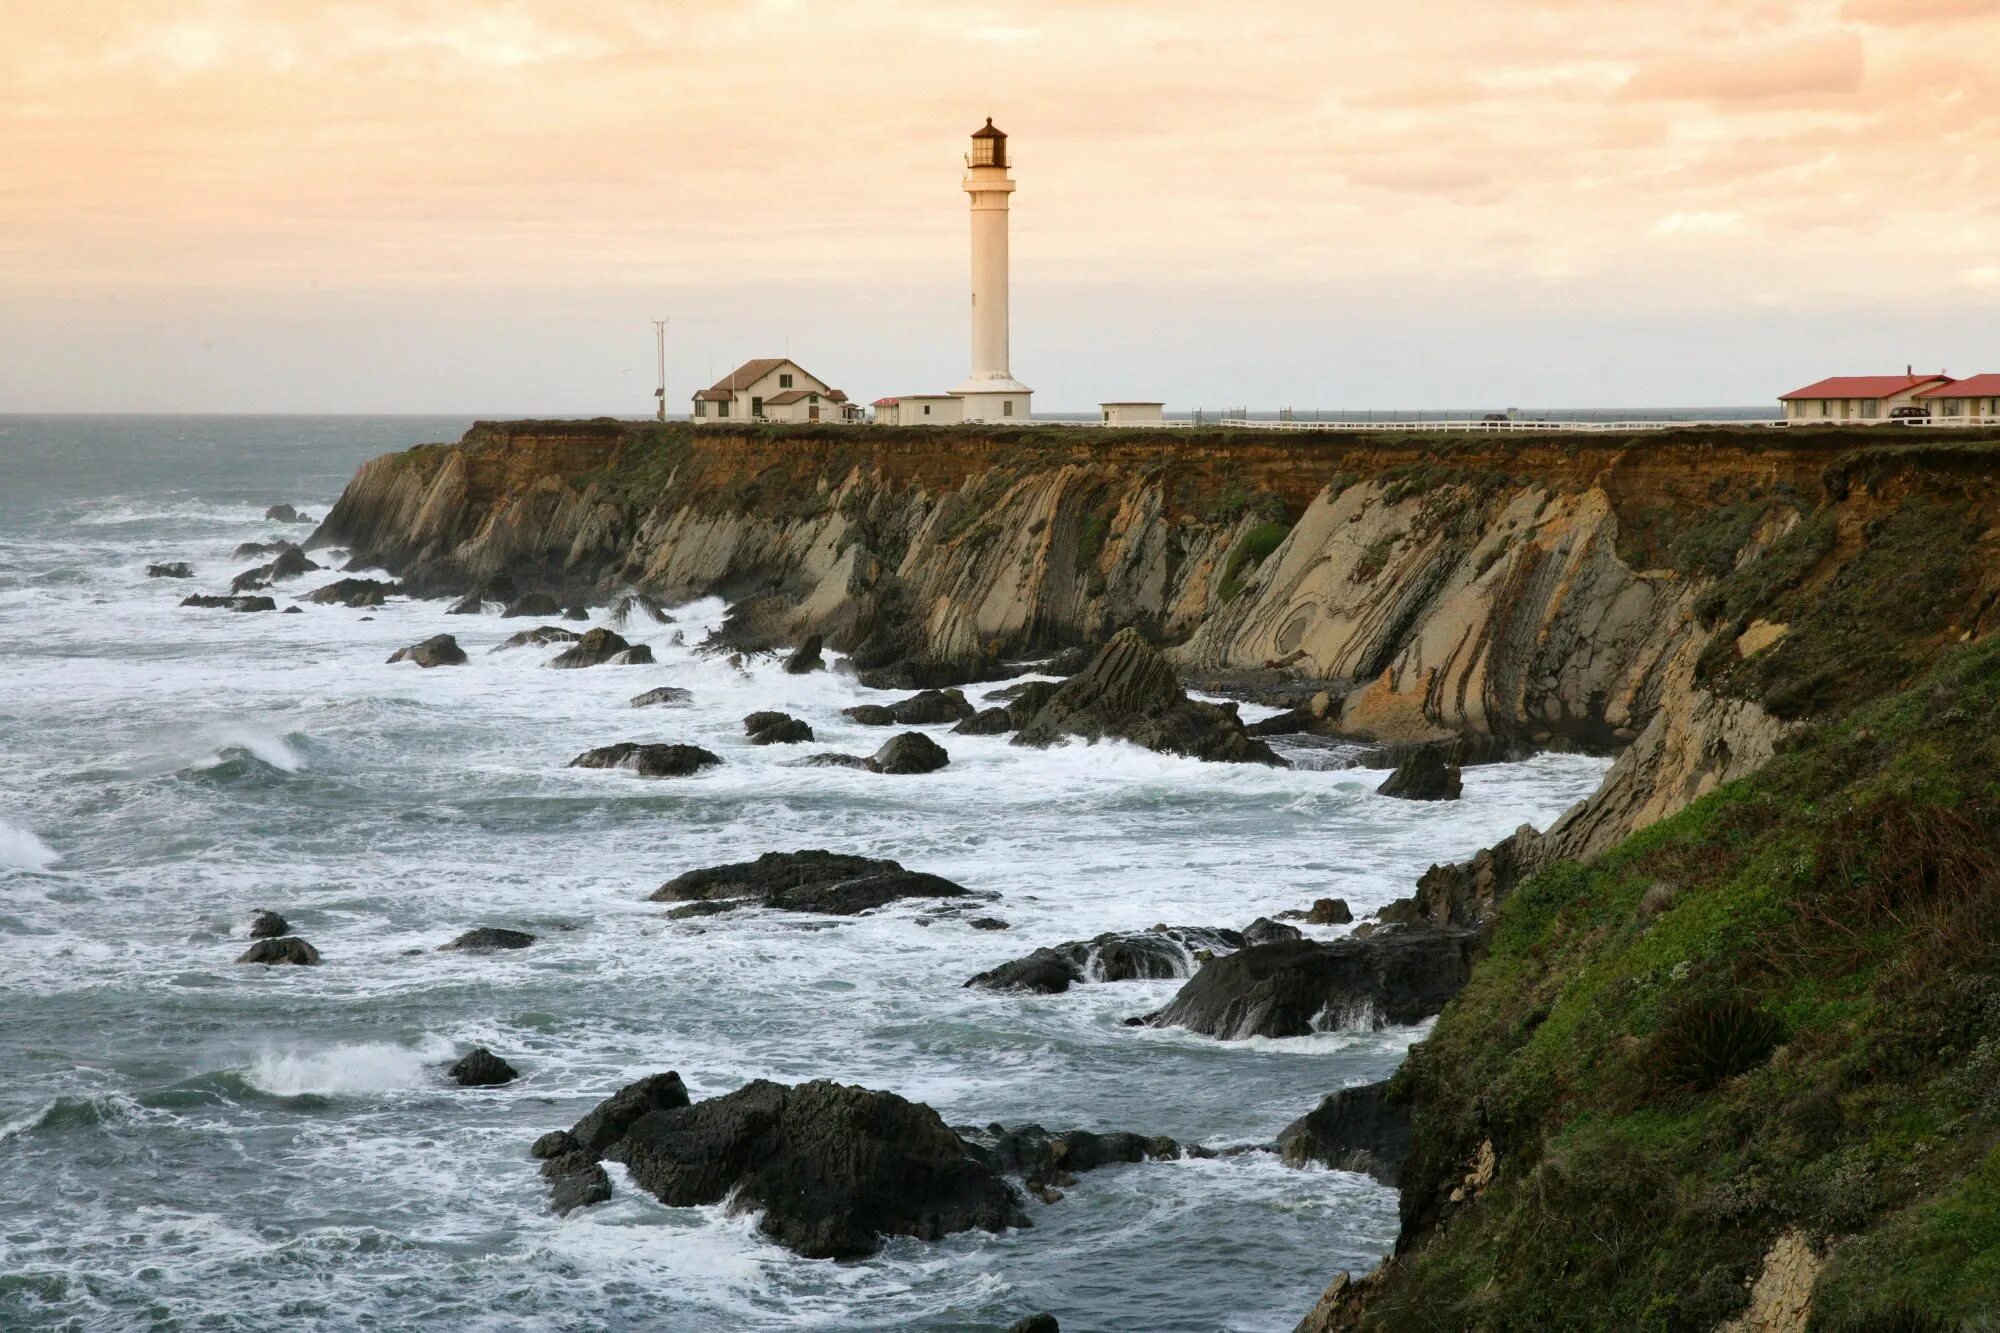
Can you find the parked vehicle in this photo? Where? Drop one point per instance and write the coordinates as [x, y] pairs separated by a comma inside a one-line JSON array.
[[1903, 416]]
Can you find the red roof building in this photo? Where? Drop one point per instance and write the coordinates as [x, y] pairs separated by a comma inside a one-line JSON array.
[[1975, 396], [1856, 400]]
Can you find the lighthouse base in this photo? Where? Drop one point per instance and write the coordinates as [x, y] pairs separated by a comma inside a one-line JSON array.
[[995, 400]]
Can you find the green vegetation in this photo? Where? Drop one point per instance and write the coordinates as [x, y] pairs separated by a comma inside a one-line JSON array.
[[643, 467], [1251, 552], [1778, 1009], [1375, 559]]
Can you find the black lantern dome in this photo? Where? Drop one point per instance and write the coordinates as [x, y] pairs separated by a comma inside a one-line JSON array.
[[989, 146]]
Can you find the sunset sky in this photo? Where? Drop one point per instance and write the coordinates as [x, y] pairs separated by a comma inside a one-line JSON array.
[[473, 206]]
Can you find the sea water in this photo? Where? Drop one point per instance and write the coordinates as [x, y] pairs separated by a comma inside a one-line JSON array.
[[189, 1143]]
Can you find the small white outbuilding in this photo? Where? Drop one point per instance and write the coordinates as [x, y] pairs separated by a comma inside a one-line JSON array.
[[1134, 414]]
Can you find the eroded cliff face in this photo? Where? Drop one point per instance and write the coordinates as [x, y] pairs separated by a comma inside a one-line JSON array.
[[1546, 591]]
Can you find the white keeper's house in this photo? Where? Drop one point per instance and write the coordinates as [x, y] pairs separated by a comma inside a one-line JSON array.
[[772, 389]]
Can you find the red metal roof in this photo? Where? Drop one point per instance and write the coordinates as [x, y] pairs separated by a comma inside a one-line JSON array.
[[1975, 386], [1863, 386]]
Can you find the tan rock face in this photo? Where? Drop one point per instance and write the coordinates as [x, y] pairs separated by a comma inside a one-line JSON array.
[[1781, 1297]]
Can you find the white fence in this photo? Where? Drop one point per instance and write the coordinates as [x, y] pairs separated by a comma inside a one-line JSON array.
[[1513, 425]]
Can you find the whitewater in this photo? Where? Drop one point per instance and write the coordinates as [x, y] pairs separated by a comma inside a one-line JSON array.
[[189, 1143]]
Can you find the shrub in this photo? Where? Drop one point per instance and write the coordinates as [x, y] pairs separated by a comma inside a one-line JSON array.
[[1252, 551], [1706, 1042]]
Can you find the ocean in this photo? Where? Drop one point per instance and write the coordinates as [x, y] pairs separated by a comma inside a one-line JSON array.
[[186, 1143]]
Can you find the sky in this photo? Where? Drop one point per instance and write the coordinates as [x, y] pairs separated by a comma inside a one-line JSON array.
[[478, 206]]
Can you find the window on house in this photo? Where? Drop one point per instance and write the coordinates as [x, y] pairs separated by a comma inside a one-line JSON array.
[[1006, 407], [1826, 407], [700, 407], [756, 407], [1871, 407], [784, 381], [812, 398]]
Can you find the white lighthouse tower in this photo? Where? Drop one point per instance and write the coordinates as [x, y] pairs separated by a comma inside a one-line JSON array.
[[990, 392]]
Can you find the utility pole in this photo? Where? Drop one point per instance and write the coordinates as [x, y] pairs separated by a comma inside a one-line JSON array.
[[660, 336]]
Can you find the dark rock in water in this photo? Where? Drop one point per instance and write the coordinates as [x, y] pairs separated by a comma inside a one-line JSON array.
[[1425, 776], [686, 910], [832, 1168], [284, 513], [289, 949], [179, 569], [353, 592], [575, 1182], [532, 604], [1163, 951], [1288, 723], [541, 634], [986, 722], [754, 625], [911, 752], [776, 729], [576, 611], [599, 646], [480, 1068], [636, 606], [930, 674], [830, 760], [1355, 1129], [436, 651], [806, 657], [290, 564], [1329, 912], [490, 937], [257, 550], [1129, 691], [932, 706], [468, 605], [553, 1144], [1040, 1157], [1023, 706], [870, 715], [294, 611], [665, 694], [648, 761], [988, 923], [608, 1121], [1266, 931], [829, 883], [230, 603], [1072, 660], [1294, 987], [1043, 1322], [268, 925], [1468, 894]]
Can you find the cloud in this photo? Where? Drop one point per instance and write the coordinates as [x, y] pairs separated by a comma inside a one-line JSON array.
[[1829, 64], [1888, 13], [1698, 224]]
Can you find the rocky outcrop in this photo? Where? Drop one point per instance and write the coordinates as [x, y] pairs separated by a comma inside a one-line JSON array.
[[284, 513], [267, 925], [1043, 1159], [831, 1169], [599, 647], [649, 761], [911, 752], [1425, 776], [807, 657], [986, 722], [1361, 1129], [436, 651], [771, 728], [277, 952], [1163, 951], [1294, 987], [480, 1068], [635, 608], [487, 938], [930, 706], [178, 569], [217, 603], [828, 883], [662, 695], [539, 636], [531, 604], [353, 592], [290, 564], [1128, 691]]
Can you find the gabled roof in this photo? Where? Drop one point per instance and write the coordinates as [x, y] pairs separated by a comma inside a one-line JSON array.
[[1864, 386], [713, 395], [749, 373], [885, 402], [788, 397], [1975, 386]]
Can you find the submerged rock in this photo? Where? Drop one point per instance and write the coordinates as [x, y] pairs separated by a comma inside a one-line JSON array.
[[275, 952], [178, 569], [257, 550], [1041, 1157], [576, 611], [436, 651], [1355, 1129], [468, 605], [911, 752], [1163, 951], [1294, 987], [986, 722], [832, 1168], [490, 937], [267, 925], [1129, 691], [600, 646], [1329, 912], [284, 513], [219, 603], [828, 883], [648, 761], [830, 760], [480, 1068], [1425, 776], [1040, 1322], [806, 657], [353, 592], [532, 604], [290, 564], [636, 606], [664, 694], [541, 634]]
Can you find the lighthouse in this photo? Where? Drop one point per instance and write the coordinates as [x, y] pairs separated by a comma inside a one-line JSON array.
[[990, 392]]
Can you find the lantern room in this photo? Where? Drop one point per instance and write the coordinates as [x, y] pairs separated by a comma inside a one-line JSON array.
[[989, 147]]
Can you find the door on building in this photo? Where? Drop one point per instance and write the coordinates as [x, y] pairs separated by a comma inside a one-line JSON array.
[[812, 414]]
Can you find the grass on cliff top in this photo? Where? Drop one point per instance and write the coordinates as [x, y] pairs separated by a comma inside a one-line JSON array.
[[1778, 1009]]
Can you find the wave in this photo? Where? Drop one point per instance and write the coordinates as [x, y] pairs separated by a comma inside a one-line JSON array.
[[22, 850], [245, 752], [348, 1070]]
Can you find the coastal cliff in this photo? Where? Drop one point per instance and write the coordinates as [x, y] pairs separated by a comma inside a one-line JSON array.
[[1726, 610]]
